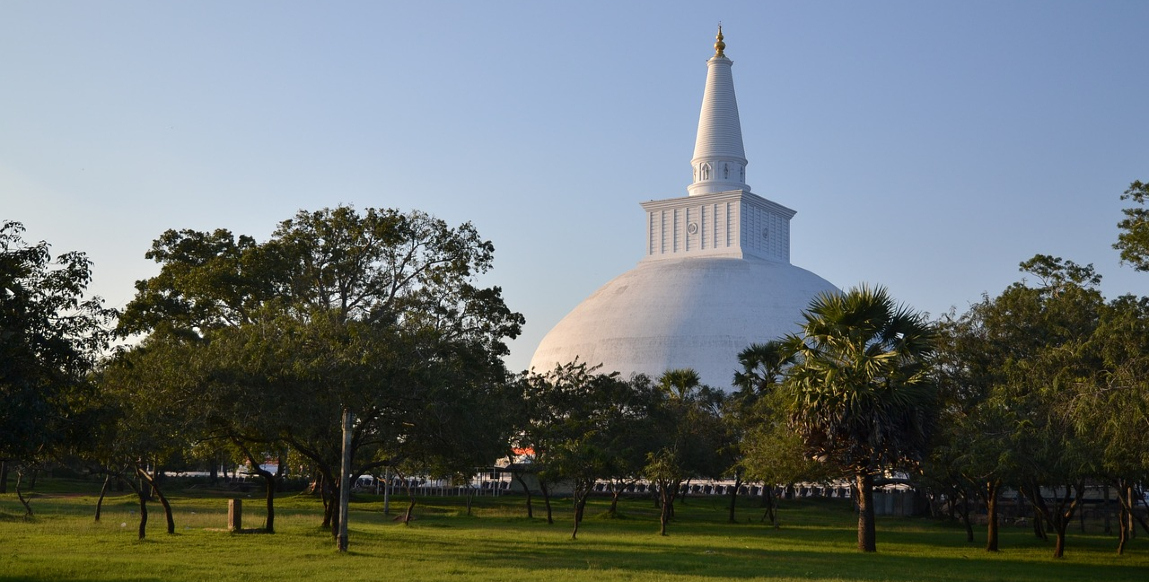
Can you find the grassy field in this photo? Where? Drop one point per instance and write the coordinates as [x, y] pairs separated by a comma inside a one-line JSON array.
[[816, 542]]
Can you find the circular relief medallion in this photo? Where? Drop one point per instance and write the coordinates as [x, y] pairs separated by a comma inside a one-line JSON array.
[[692, 228], [765, 233]]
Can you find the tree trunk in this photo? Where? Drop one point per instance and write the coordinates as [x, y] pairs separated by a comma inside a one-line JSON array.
[[965, 519], [1059, 543], [1130, 527], [330, 495], [581, 491], [614, 495], [734, 497], [526, 491], [167, 511], [141, 494], [991, 534], [1039, 530], [1123, 534], [334, 510], [771, 506], [143, 512], [1059, 516], [410, 513], [577, 518], [141, 489], [1105, 509], [1127, 516], [867, 534], [579, 503], [934, 504], [546, 501], [667, 501], [1038, 503], [20, 496], [103, 493], [4, 476], [271, 483], [268, 480], [316, 485], [154, 487], [328, 508]]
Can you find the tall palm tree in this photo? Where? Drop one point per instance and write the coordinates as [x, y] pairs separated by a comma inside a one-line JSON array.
[[862, 399], [680, 383], [762, 367]]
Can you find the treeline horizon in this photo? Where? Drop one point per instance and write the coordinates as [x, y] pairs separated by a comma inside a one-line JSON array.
[[252, 350]]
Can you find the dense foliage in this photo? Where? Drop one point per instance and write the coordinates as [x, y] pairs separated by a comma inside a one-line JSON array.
[[252, 352], [266, 344], [51, 336]]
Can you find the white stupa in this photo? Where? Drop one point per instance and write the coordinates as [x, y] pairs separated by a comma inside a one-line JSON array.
[[716, 276]]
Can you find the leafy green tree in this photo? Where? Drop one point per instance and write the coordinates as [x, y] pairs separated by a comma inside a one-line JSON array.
[[754, 418], [1120, 357], [763, 367], [602, 413], [1114, 409], [464, 420], [539, 417], [1133, 241], [583, 426], [1010, 370], [967, 461], [1049, 459], [665, 468], [375, 312], [861, 394], [51, 336], [690, 437], [142, 431], [633, 431], [1027, 379], [774, 454]]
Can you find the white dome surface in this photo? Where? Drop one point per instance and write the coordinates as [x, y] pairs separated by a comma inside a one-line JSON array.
[[682, 313]]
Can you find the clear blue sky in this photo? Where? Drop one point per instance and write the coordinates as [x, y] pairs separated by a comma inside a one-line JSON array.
[[927, 146]]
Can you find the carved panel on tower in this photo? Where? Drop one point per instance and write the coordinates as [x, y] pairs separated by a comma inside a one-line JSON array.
[[723, 224]]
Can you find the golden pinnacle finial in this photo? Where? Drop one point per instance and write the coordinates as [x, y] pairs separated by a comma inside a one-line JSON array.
[[719, 46]]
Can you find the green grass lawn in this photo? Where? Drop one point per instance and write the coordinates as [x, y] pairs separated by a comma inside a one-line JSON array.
[[816, 542]]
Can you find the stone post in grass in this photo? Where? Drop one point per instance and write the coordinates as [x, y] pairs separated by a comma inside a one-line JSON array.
[[234, 515]]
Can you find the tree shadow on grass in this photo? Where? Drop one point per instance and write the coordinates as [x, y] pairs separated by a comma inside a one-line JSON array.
[[648, 559], [811, 550], [57, 578]]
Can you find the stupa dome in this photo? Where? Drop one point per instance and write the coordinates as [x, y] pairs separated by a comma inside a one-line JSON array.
[[716, 276], [686, 313]]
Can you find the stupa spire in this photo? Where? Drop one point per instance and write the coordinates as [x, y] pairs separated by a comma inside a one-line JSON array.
[[719, 158]]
